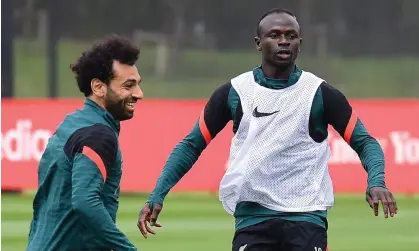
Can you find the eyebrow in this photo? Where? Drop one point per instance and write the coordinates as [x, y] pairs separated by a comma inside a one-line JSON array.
[[131, 80]]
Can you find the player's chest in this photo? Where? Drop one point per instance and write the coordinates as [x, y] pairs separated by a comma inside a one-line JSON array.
[[278, 107]]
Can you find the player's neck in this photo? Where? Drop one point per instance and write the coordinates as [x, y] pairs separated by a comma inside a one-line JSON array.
[[98, 101], [275, 72]]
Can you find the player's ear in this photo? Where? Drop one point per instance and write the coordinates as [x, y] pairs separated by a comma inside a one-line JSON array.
[[257, 42], [301, 41], [98, 87]]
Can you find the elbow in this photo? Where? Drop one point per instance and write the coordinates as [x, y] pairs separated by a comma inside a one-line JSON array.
[[370, 150], [373, 143], [368, 143]]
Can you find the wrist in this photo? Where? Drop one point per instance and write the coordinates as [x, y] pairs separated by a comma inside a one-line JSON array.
[[371, 186], [155, 199]]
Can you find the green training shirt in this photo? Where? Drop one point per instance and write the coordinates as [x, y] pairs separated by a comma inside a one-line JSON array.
[[330, 107], [79, 174]]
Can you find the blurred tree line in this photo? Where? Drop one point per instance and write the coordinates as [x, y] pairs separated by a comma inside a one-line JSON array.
[[346, 28]]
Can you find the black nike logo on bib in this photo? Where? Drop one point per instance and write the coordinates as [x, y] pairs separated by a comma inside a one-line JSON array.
[[258, 114]]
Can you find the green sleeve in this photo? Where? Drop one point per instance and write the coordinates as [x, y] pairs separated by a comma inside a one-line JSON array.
[[87, 183], [214, 117], [180, 161], [370, 154], [339, 113]]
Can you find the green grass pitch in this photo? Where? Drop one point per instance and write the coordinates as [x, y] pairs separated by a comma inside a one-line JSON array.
[[198, 222]]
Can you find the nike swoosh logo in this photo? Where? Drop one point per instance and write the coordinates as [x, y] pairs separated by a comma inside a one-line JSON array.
[[258, 114], [242, 248]]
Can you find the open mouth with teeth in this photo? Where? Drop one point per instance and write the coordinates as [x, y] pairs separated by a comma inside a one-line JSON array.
[[130, 106]]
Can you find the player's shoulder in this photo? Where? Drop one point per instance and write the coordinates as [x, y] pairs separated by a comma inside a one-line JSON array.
[[96, 136], [223, 88], [330, 94], [227, 86], [323, 86], [308, 75], [242, 77], [82, 119], [98, 132], [329, 90]]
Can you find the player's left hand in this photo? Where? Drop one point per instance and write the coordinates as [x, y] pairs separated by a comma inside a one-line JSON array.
[[387, 199], [150, 215]]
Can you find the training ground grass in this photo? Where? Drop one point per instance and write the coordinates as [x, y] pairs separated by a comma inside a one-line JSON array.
[[198, 222]]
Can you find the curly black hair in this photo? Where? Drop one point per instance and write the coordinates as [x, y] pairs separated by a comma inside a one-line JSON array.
[[97, 62], [272, 11]]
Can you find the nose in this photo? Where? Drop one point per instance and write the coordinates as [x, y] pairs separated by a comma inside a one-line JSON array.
[[283, 41], [138, 93]]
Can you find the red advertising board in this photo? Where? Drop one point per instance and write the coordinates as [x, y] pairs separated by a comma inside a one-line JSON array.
[[147, 140]]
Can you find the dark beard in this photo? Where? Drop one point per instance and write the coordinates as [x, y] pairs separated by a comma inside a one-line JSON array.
[[115, 106]]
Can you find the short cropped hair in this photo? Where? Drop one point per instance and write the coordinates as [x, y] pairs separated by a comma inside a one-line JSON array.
[[272, 11], [97, 62]]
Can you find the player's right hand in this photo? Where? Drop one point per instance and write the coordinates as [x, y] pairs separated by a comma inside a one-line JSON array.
[[149, 215]]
